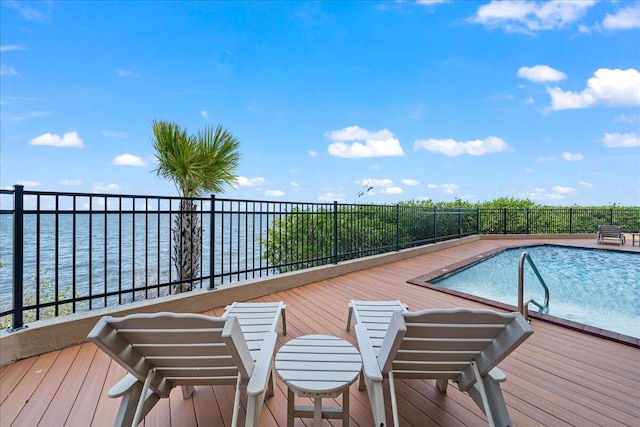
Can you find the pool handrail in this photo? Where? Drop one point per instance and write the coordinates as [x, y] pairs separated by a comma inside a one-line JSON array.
[[523, 305]]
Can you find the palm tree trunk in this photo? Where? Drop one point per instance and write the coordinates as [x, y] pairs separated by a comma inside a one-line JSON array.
[[187, 245]]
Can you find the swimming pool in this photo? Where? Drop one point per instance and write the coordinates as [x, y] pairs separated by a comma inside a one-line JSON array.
[[596, 287]]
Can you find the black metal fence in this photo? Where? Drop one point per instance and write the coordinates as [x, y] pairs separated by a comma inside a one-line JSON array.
[[68, 252]]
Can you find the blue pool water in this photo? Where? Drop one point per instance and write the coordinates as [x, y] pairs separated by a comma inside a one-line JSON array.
[[591, 286]]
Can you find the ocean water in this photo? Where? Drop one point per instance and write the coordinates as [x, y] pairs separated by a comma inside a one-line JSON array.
[[98, 253], [591, 286]]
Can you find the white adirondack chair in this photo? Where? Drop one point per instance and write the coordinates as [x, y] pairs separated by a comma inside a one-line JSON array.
[[161, 351], [461, 345]]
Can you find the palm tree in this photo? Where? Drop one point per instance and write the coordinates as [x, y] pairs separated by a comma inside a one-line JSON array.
[[197, 165]]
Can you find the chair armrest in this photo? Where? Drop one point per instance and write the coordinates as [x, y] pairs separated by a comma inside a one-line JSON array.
[[262, 368], [370, 366], [123, 386], [497, 376]]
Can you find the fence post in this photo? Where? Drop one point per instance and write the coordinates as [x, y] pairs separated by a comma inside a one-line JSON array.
[[18, 257], [570, 220], [435, 223], [335, 232], [212, 246], [397, 227], [504, 220]]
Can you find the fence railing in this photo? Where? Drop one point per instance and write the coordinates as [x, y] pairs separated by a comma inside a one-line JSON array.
[[69, 252]]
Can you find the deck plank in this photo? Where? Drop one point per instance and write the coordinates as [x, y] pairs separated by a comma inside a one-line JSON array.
[[558, 377]]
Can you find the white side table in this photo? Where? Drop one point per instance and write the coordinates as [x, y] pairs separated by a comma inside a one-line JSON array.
[[318, 366]]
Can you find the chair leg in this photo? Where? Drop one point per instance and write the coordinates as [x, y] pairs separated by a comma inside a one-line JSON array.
[[376, 400], [129, 402], [498, 408], [349, 314]]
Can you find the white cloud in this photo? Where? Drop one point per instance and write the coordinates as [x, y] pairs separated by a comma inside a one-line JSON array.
[[572, 157], [432, 186], [624, 19], [367, 144], [408, 181], [612, 87], [72, 182], [541, 73], [128, 73], [623, 118], [546, 159], [29, 183], [451, 147], [313, 153], [330, 197], [392, 190], [430, 2], [274, 193], [30, 115], [586, 184], [106, 188], [563, 190], [617, 140], [529, 16], [114, 134], [69, 139], [371, 182], [249, 182], [6, 70], [449, 188], [204, 114], [128, 160], [9, 47]]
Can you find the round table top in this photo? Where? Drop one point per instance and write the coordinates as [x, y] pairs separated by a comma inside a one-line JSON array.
[[318, 364]]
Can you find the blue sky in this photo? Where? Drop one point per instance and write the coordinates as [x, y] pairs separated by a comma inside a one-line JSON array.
[[409, 100]]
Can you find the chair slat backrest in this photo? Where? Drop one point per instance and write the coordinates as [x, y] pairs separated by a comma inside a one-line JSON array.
[[441, 344], [184, 349]]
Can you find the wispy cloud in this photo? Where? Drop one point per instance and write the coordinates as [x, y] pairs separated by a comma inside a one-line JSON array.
[[29, 183], [541, 73], [274, 193], [6, 70], [128, 73], [10, 47], [618, 140], [70, 182], [69, 139], [30, 13], [450, 147], [25, 116], [101, 187], [572, 157], [114, 134], [356, 142], [531, 16]]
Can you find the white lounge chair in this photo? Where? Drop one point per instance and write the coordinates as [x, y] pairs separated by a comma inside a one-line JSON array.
[[461, 345], [610, 233], [165, 350], [375, 314]]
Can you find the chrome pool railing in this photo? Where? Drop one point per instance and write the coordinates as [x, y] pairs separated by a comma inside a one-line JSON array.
[[523, 305]]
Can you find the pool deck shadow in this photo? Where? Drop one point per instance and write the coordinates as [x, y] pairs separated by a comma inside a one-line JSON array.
[[426, 280]]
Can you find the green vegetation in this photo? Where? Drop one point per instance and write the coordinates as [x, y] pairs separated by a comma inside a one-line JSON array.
[[47, 294], [304, 238], [197, 165]]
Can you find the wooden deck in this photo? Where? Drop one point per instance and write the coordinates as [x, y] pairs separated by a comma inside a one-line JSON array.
[[558, 377]]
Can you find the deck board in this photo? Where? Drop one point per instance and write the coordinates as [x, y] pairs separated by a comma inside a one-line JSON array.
[[558, 377]]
